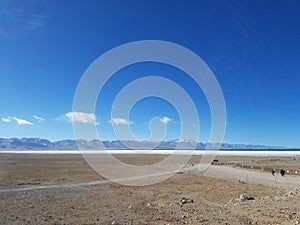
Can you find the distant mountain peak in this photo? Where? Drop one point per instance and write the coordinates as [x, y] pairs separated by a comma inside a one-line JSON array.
[[39, 143]]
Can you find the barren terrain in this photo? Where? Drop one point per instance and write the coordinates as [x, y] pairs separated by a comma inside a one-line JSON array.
[[63, 189]]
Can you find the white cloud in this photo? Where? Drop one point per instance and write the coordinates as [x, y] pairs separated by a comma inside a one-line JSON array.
[[81, 117], [21, 121], [165, 120], [18, 120], [119, 121], [39, 119], [5, 120]]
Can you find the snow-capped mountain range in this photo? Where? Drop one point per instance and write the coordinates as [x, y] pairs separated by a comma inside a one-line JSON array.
[[44, 144]]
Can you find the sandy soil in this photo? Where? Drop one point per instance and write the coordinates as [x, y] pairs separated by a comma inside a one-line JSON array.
[[63, 189]]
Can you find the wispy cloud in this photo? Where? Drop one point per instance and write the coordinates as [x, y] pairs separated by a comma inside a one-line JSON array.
[[81, 117], [39, 119], [21, 121], [36, 20], [5, 120], [165, 120], [119, 121]]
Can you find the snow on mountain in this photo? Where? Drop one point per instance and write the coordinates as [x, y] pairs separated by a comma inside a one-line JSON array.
[[38, 143]]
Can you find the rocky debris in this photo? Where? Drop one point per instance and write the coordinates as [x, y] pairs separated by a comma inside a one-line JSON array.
[[244, 198], [290, 193], [154, 204], [158, 219], [185, 200], [293, 216]]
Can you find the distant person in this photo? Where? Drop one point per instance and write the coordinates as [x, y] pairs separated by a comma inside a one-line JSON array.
[[273, 172], [282, 172]]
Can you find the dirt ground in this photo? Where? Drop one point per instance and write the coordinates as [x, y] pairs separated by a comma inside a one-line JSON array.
[[210, 200]]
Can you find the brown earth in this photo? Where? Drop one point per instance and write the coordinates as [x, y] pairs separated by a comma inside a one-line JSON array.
[[54, 199]]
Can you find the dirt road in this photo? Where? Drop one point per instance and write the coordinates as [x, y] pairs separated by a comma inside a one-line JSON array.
[[286, 182], [222, 172]]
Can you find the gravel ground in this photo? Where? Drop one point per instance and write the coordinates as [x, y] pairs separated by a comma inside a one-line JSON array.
[[221, 195]]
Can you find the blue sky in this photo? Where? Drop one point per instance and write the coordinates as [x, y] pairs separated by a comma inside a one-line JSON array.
[[252, 47]]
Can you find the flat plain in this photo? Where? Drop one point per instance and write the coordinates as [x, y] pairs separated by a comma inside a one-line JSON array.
[[63, 189]]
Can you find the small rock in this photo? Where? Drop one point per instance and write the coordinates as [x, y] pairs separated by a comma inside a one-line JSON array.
[[244, 198], [158, 219], [185, 200], [289, 194]]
